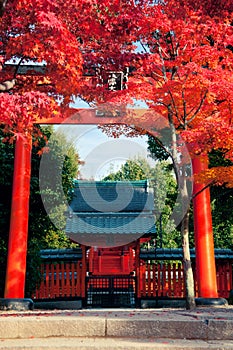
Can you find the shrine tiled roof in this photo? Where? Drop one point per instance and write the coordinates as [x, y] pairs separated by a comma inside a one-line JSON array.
[[111, 208], [112, 196], [111, 223]]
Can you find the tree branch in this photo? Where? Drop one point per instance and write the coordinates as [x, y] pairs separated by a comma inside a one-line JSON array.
[[7, 85], [162, 61], [143, 46], [2, 7], [184, 109], [198, 108], [174, 105], [203, 189]]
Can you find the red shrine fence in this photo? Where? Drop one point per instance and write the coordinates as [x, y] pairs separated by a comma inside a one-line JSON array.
[[166, 279], [154, 280], [60, 280]]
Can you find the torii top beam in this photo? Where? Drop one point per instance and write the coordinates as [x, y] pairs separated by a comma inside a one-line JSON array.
[[94, 116]]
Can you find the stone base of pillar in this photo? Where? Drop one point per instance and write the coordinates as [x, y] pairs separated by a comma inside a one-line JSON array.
[[211, 302], [16, 304]]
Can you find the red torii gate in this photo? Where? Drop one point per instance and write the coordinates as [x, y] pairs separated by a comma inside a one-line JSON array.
[[17, 247]]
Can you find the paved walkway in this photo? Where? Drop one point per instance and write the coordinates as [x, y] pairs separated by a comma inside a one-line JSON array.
[[203, 328]]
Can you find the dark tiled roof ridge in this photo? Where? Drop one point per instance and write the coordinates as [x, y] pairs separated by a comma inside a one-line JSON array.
[[113, 213], [137, 183], [156, 254]]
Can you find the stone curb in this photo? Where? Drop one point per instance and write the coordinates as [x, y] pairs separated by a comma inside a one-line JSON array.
[[58, 326], [44, 327], [186, 329]]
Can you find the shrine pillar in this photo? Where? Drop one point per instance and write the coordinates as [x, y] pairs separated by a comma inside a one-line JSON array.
[[203, 231], [18, 235]]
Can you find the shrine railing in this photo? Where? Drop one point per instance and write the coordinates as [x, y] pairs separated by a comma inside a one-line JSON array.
[[155, 278], [59, 280], [166, 279]]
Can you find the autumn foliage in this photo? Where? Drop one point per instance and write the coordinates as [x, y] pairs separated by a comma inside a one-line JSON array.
[[67, 41], [179, 54], [183, 71]]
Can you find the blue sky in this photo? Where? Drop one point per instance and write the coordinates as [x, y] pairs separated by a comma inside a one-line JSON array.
[[100, 152]]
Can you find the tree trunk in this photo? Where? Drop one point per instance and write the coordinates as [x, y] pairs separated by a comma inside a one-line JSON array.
[[187, 265], [182, 184], [188, 272]]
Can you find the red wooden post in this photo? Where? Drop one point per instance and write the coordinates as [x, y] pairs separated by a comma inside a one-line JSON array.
[[159, 278], [164, 282], [138, 269], [204, 241], [72, 265], [68, 284], [180, 280], [62, 280], [17, 246], [47, 270], [52, 285], [79, 279], [169, 280], [174, 281], [154, 280], [84, 271], [57, 280]]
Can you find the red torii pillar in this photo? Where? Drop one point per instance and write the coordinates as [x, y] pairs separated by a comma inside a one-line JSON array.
[[17, 244], [204, 241]]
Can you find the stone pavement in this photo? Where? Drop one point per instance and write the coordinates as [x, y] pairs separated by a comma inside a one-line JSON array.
[[203, 328]]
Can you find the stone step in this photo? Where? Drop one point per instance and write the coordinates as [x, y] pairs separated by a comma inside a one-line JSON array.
[[117, 329], [115, 325], [101, 343]]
